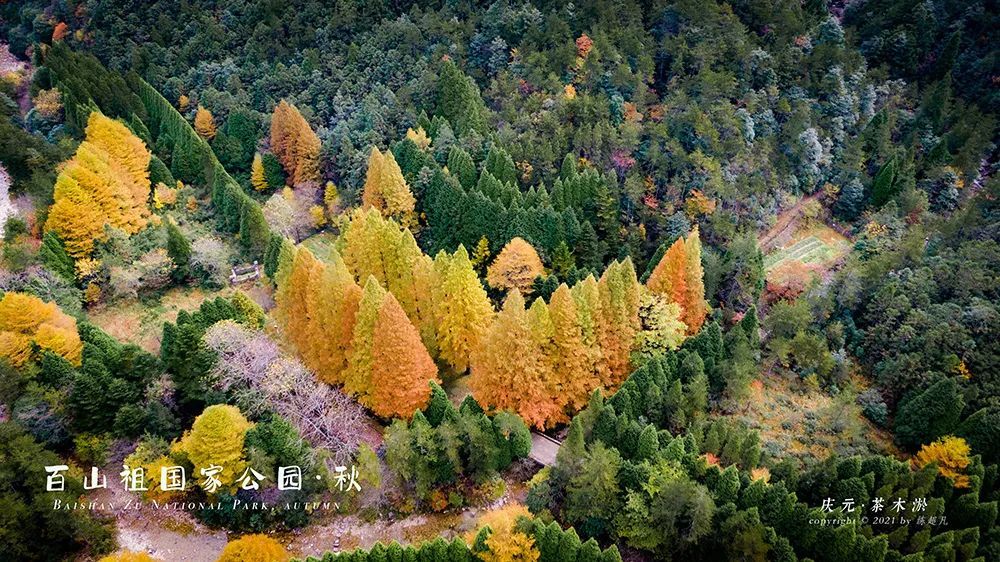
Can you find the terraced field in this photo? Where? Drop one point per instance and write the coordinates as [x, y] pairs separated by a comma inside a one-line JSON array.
[[817, 245]]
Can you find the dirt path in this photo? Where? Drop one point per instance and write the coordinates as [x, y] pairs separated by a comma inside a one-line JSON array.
[[785, 225]]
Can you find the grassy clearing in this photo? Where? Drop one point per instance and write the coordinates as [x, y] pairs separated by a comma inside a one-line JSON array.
[[321, 245], [141, 321], [808, 425]]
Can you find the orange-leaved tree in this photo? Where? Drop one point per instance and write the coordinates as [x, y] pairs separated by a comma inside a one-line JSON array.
[[401, 367], [516, 266], [508, 368], [27, 321], [204, 123], [294, 143], [679, 277]]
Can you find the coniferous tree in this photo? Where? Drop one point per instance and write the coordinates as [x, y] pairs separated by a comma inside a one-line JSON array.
[[204, 123], [385, 188], [461, 308], [179, 250], [295, 144], [401, 367]]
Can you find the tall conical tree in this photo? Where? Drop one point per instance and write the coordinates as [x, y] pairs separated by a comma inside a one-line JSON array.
[[695, 307], [401, 367], [293, 297], [619, 295], [257, 178], [669, 278], [587, 297], [571, 361], [462, 309], [294, 143], [333, 305], [551, 383], [508, 367], [358, 380], [458, 100], [385, 188]]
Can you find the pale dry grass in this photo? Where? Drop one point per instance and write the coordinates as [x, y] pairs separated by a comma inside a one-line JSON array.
[[141, 321]]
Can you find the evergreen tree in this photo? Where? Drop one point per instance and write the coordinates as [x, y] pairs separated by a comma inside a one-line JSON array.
[[927, 415], [458, 100], [55, 258], [179, 250]]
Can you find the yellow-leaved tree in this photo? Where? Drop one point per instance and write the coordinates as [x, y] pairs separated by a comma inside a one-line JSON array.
[[216, 439], [105, 183], [204, 123], [951, 455], [376, 246], [26, 320], [462, 310], [505, 542], [618, 323], [295, 144], [254, 548], [257, 178], [386, 189], [516, 266]]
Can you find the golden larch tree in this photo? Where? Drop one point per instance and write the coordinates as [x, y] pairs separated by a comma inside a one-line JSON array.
[[358, 380], [377, 246], [216, 439], [462, 310], [26, 321], [516, 266], [332, 304], [619, 321], [587, 297], [401, 367], [508, 369], [204, 123], [669, 277], [294, 143], [385, 188], [695, 307], [105, 183], [257, 178], [293, 298], [572, 362]]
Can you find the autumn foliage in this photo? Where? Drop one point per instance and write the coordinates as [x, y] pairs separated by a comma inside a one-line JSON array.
[[516, 266], [254, 548], [204, 123], [216, 438], [952, 457], [295, 144], [401, 366], [679, 277], [385, 188], [105, 183], [505, 542], [26, 321]]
